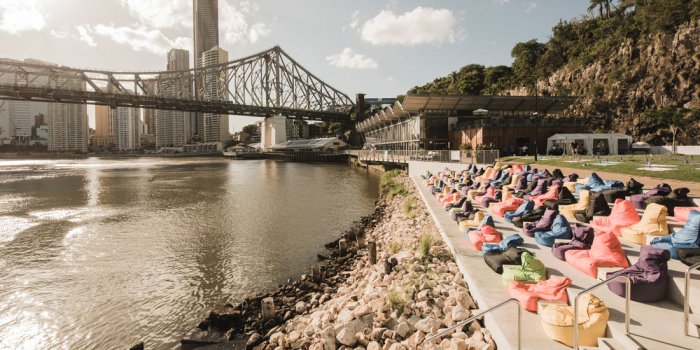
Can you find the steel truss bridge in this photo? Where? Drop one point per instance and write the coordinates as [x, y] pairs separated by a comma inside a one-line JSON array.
[[264, 84]]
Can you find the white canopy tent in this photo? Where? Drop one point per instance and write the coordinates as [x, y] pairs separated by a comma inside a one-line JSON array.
[[608, 143]]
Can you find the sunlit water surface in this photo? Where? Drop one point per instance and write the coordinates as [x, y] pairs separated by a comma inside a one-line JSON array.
[[103, 253]]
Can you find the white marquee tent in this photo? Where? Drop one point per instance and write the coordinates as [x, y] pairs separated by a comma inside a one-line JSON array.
[[610, 143]]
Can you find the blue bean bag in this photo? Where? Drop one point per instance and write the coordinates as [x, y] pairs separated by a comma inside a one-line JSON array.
[[687, 237], [560, 229], [512, 241], [524, 208]]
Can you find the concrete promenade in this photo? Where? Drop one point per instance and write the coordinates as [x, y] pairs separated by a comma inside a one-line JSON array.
[[653, 326]]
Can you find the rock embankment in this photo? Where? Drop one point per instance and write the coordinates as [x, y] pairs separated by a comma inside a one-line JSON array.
[[414, 290]]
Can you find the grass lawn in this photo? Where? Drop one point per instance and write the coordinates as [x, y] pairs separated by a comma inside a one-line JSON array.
[[685, 168]]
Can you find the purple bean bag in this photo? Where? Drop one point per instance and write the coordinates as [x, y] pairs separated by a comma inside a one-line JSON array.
[[649, 276], [465, 211], [543, 224], [541, 187], [638, 200], [583, 238]]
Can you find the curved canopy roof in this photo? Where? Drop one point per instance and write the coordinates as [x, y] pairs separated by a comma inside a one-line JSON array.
[[433, 102]]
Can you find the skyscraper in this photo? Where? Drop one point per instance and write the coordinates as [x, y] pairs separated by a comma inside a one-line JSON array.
[[127, 133], [206, 37], [175, 128], [215, 126], [104, 127]]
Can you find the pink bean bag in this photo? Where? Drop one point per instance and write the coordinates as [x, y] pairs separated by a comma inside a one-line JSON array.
[[606, 251], [485, 234], [553, 289], [550, 194], [500, 209], [623, 214], [490, 193]]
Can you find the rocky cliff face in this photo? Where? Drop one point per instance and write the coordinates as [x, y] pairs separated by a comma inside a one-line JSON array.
[[657, 71]]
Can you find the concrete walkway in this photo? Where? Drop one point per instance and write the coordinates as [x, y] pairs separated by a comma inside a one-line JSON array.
[[653, 326]]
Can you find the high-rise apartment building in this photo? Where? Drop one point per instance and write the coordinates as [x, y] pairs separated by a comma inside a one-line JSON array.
[[215, 125], [149, 114], [127, 135], [175, 128], [206, 37], [104, 127]]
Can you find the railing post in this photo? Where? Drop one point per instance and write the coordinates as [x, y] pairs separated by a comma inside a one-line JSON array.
[[686, 299]]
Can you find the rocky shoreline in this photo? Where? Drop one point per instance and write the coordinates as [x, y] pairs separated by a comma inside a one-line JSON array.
[[415, 289]]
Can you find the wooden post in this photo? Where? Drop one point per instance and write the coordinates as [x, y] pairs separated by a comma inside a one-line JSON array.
[[316, 273], [342, 247], [387, 266], [372, 247], [360, 240], [268, 308]]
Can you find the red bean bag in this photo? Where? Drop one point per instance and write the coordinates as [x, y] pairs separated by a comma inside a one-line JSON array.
[[553, 289], [490, 193], [550, 194], [682, 213], [623, 214], [606, 251], [485, 234], [500, 209]]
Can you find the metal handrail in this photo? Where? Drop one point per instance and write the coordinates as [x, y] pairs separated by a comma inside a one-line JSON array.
[[628, 293], [470, 319], [686, 299]]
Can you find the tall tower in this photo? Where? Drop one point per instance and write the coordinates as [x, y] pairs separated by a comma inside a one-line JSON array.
[[175, 128], [215, 126], [127, 134], [206, 37]]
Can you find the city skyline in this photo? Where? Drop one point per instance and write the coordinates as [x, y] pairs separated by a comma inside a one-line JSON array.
[[351, 46]]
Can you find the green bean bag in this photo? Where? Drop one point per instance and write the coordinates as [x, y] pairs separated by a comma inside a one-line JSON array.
[[531, 270]]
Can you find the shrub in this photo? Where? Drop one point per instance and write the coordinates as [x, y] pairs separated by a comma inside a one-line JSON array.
[[395, 299], [408, 208], [394, 248], [426, 242], [389, 186]]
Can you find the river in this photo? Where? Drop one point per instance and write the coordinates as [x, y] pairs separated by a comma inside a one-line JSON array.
[[104, 253]]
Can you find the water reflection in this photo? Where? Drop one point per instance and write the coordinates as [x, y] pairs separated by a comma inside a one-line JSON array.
[[105, 253]]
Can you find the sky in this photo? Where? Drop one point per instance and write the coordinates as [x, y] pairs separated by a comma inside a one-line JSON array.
[[378, 47]]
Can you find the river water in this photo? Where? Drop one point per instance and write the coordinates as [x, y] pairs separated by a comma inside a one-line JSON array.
[[104, 253]]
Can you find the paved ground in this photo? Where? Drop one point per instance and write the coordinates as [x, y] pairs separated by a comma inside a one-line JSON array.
[[653, 326]]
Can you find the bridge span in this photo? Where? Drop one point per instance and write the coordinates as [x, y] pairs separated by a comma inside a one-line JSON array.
[[265, 84]]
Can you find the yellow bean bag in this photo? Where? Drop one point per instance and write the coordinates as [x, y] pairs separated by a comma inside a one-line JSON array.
[[569, 211], [472, 223], [653, 223], [558, 321], [512, 184]]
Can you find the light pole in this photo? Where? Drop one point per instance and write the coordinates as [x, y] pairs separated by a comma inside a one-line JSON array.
[[537, 122]]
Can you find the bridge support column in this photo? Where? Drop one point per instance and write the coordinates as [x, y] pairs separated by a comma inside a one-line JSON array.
[[273, 131]]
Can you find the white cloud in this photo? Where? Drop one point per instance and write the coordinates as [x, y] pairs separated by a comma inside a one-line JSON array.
[[235, 23], [422, 25], [348, 59], [84, 35], [530, 6], [138, 38], [59, 34], [355, 20], [501, 2], [161, 13], [20, 15]]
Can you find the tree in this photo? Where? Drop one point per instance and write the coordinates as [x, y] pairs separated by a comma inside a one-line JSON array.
[[525, 56], [676, 119], [251, 129], [602, 5], [470, 79]]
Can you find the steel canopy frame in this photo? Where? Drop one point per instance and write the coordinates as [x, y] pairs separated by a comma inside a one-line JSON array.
[[263, 84]]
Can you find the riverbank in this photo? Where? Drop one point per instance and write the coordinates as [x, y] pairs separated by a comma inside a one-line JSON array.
[[414, 290]]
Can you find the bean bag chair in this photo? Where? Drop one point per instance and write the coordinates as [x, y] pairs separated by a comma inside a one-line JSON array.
[[530, 187], [524, 208], [638, 200], [501, 179], [597, 207], [500, 209], [558, 321], [517, 168], [521, 184], [485, 234], [478, 192], [569, 211], [530, 270], [682, 213], [451, 198], [490, 193], [653, 223], [583, 238], [677, 198], [487, 201], [513, 183], [623, 214], [540, 188], [557, 174], [687, 237], [458, 204], [614, 194], [551, 194], [496, 260], [594, 183], [570, 178], [463, 213], [606, 251], [512, 241], [689, 256], [543, 224], [634, 186], [649, 276], [464, 225], [560, 229], [534, 215], [565, 197], [553, 290]]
